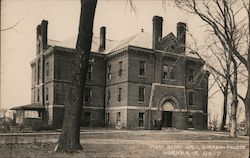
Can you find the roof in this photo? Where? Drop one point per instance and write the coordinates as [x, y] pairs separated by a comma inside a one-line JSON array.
[[33, 106], [71, 43], [141, 39]]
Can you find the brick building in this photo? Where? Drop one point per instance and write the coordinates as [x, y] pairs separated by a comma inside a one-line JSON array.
[[130, 83]]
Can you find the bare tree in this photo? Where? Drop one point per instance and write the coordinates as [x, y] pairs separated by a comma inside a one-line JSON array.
[[232, 32], [69, 140], [3, 111]]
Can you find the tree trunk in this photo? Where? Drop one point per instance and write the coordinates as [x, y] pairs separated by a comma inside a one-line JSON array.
[[224, 119], [247, 99], [69, 140], [225, 93], [247, 108], [233, 127]]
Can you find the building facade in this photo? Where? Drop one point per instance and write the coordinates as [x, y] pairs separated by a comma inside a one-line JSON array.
[[130, 83]]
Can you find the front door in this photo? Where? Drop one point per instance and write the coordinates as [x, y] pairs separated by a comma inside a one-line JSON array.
[[167, 119]]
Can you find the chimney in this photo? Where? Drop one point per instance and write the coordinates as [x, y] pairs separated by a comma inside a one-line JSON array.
[[181, 35], [44, 33], [38, 33], [157, 31], [102, 39]]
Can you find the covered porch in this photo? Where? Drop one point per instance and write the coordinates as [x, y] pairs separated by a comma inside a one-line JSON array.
[[29, 114]]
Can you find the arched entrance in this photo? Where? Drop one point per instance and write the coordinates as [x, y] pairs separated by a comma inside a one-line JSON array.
[[167, 112]]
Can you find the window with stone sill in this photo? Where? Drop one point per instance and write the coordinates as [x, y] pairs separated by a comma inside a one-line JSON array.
[[119, 94], [109, 72], [108, 96], [191, 75], [46, 94], [142, 68], [88, 95], [107, 118], [169, 72], [141, 94], [89, 72], [47, 69], [190, 98], [118, 118], [120, 69], [38, 95]]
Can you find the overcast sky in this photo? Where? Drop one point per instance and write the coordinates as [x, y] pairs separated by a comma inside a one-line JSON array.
[[18, 45]]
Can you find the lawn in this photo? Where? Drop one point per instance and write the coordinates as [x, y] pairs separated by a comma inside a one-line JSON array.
[[112, 143]]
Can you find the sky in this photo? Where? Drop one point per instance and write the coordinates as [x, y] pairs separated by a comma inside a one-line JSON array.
[[18, 45]]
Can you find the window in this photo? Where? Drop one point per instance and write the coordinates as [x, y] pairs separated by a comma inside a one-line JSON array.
[[190, 121], [38, 95], [165, 71], [47, 69], [35, 75], [191, 75], [89, 72], [141, 94], [109, 72], [141, 119], [119, 94], [108, 96], [46, 93], [142, 68], [34, 95], [118, 118], [120, 69], [88, 95], [172, 73], [190, 98], [38, 70], [107, 118], [168, 72]]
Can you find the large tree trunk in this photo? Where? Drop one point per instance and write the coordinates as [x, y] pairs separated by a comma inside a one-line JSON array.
[[69, 140], [225, 93], [233, 127], [247, 99]]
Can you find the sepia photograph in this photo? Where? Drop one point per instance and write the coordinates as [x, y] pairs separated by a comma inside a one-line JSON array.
[[124, 78]]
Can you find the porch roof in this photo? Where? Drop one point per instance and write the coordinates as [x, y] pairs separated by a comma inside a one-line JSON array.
[[30, 107]]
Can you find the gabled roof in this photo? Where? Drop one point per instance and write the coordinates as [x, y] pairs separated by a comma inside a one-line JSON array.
[[141, 39]]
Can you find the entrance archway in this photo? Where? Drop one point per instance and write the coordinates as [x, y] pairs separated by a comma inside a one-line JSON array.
[[167, 112]]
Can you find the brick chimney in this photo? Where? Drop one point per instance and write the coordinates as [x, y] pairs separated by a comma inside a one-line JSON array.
[[157, 31], [44, 33], [102, 46], [38, 34], [181, 35]]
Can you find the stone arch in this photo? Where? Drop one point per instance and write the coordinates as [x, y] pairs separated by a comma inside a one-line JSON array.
[[168, 103]]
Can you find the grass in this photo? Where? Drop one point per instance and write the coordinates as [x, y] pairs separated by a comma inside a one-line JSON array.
[[111, 143]]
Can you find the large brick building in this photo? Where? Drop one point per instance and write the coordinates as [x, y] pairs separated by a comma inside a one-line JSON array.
[[130, 83]]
